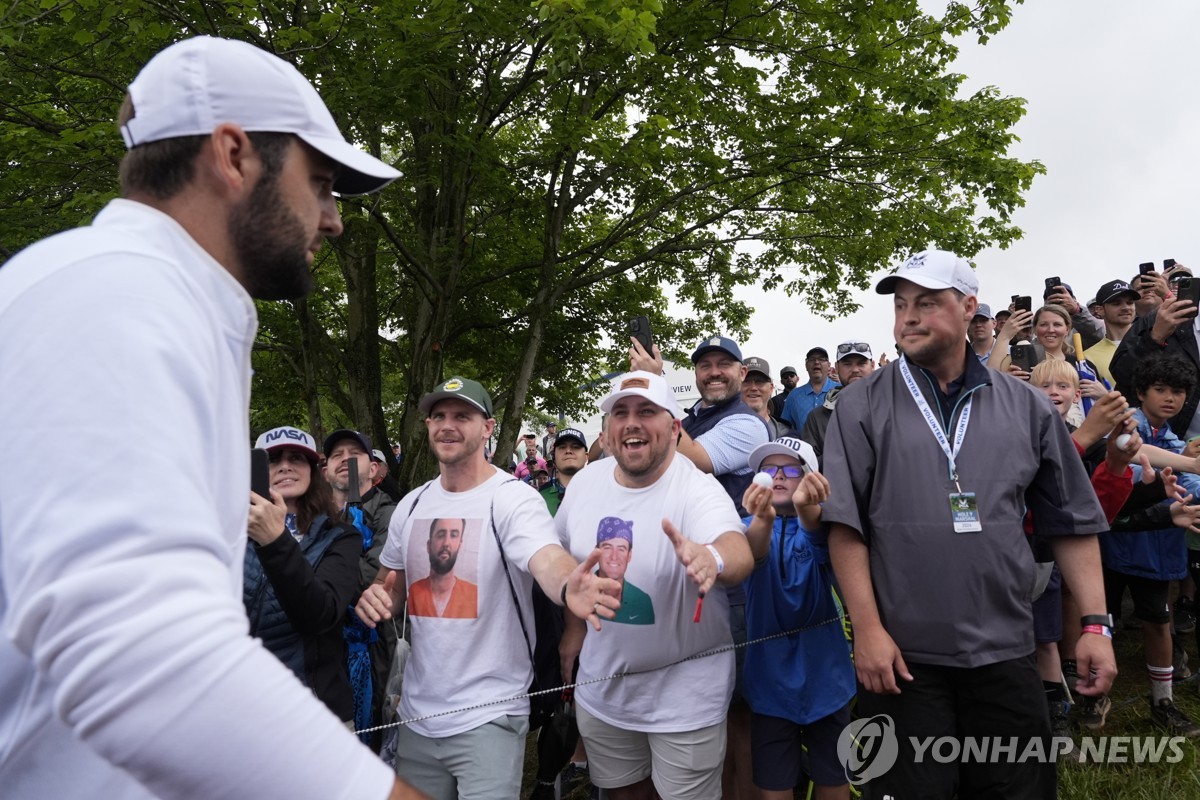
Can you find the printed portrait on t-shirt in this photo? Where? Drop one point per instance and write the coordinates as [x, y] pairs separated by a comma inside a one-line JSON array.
[[614, 537], [442, 567]]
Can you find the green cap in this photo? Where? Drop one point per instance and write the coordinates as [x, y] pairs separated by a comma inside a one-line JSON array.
[[457, 388]]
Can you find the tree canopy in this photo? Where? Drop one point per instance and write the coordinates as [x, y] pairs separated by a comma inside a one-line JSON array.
[[567, 164]]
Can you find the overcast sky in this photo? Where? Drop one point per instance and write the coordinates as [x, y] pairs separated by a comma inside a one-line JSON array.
[[1112, 113]]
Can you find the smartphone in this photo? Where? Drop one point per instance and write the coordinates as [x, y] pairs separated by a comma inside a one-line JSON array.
[[639, 328], [1053, 283], [260, 473], [1024, 356], [1168, 263], [1188, 289], [1023, 302], [1146, 267]]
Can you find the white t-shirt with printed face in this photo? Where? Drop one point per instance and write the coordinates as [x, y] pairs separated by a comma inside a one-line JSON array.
[[658, 599], [469, 649]]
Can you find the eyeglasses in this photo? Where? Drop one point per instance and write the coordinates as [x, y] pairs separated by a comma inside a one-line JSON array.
[[788, 472], [846, 348]]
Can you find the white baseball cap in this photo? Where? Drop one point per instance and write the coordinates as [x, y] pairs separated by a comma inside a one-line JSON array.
[[193, 86], [785, 446], [287, 436], [643, 384], [934, 269]]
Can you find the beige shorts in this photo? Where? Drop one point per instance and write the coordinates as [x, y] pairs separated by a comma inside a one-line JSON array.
[[684, 766]]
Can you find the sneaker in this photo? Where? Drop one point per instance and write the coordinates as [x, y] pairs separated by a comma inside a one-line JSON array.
[[1185, 615], [1167, 715], [1060, 724], [572, 778], [543, 791], [1094, 711]]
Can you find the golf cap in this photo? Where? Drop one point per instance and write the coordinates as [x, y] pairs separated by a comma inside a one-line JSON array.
[[193, 86], [572, 434], [346, 433], [759, 365], [456, 388], [377, 455], [287, 436], [817, 351], [933, 269], [643, 384], [785, 446], [984, 310], [783, 373], [854, 348], [1114, 290], [722, 343]]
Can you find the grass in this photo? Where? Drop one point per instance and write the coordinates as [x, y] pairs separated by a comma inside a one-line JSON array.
[[1131, 717]]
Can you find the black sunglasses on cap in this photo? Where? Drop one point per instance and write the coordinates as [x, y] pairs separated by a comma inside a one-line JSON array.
[[846, 348]]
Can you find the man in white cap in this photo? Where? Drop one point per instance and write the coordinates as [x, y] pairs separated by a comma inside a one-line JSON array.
[[928, 546], [854, 362], [125, 660], [680, 535]]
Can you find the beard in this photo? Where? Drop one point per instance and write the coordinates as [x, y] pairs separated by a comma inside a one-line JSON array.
[[270, 244], [439, 567]]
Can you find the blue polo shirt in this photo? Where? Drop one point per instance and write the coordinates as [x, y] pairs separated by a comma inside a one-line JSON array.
[[803, 400]]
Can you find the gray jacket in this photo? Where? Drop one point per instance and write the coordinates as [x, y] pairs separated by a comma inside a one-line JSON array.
[[954, 599]]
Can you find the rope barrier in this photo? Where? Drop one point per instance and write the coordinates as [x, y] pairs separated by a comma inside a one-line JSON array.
[[695, 656]]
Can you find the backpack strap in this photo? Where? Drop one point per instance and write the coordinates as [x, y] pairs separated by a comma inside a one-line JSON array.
[[511, 586]]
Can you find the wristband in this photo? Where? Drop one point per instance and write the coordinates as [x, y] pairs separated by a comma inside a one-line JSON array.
[[563, 594], [1096, 619], [717, 555], [1099, 630]]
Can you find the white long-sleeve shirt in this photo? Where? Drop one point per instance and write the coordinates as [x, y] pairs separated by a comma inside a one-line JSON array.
[[126, 669]]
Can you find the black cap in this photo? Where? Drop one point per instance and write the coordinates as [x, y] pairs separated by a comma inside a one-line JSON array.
[[1114, 290], [346, 433], [570, 433], [817, 351]]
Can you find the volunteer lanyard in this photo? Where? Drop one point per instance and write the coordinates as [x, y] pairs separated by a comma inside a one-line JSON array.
[[960, 431]]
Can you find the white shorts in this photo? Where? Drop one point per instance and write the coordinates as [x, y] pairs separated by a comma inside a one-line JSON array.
[[684, 766]]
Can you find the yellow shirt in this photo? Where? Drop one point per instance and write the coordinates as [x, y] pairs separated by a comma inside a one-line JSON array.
[[1101, 354]]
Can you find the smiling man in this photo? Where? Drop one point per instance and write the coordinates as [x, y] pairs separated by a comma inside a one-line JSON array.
[[756, 391], [689, 539], [929, 548], [486, 526]]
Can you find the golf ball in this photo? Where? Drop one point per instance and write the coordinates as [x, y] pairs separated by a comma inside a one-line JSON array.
[[763, 480], [1123, 440]]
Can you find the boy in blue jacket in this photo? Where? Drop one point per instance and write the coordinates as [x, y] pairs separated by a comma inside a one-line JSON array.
[[1147, 562], [798, 686]]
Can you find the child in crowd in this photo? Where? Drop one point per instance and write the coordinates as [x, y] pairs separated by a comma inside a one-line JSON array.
[[1113, 482], [1147, 562], [798, 686]]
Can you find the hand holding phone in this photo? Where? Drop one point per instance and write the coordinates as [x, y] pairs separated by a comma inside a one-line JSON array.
[[639, 329], [1024, 356], [1145, 268], [1023, 302], [260, 473], [1052, 284]]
